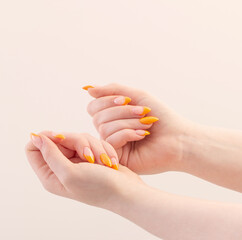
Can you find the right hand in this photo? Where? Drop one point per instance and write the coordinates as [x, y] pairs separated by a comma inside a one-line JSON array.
[[117, 124]]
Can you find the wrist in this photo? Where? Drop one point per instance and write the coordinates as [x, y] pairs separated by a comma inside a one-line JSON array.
[[124, 199], [191, 144], [187, 140]]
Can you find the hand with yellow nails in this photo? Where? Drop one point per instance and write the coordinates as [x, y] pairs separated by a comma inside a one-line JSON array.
[[143, 130], [78, 166]]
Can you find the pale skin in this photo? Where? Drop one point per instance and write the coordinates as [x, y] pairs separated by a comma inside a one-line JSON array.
[[174, 144]]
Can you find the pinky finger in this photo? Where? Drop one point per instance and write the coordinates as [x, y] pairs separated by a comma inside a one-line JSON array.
[[120, 138]]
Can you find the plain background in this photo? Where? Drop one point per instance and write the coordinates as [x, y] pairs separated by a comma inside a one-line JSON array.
[[187, 53]]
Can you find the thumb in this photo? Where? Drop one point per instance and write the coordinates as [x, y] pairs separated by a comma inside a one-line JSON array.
[[54, 158]]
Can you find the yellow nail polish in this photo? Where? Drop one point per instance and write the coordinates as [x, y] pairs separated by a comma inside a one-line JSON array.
[[60, 136], [34, 134], [89, 159], [127, 100], [115, 166], [146, 133], [114, 163], [87, 87], [142, 132], [105, 159], [146, 110], [87, 153], [148, 120]]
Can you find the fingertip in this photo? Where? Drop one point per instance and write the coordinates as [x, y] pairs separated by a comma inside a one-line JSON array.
[[115, 164], [142, 133], [122, 100], [36, 140], [87, 87], [106, 160], [46, 140], [88, 155], [92, 90], [58, 136]]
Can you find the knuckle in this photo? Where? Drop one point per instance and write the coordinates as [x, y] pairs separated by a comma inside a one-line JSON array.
[[102, 130], [94, 120], [97, 119], [90, 108], [127, 134], [109, 141]]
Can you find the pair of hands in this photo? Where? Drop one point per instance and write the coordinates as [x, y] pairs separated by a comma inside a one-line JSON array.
[[61, 164]]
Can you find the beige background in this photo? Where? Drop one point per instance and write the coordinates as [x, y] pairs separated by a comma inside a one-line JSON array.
[[188, 53]]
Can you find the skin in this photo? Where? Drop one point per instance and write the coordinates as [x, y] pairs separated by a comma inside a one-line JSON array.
[[175, 143], [117, 124], [63, 171]]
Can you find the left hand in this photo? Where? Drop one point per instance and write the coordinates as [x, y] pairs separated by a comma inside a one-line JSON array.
[[64, 172]]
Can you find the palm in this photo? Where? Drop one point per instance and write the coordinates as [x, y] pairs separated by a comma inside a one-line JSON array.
[[48, 178]]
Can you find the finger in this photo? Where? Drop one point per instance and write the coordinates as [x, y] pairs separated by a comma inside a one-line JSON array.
[[112, 154], [74, 143], [120, 138], [46, 176], [121, 112], [99, 152], [54, 158], [101, 103], [36, 160], [88, 148], [116, 89], [109, 128], [57, 138]]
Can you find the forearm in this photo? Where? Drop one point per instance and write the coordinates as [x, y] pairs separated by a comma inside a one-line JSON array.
[[215, 155], [172, 217]]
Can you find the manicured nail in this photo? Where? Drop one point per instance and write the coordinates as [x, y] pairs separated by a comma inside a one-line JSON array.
[[142, 132], [122, 100], [105, 159], [141, 110], [87, 87], [60, 136], [114, 163], [88, 155], [36, 139], [148, 120]]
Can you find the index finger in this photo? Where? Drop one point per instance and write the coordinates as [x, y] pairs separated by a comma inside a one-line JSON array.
[[117, 89]]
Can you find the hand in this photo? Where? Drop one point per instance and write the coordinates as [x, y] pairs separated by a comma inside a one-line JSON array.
[[118, 123], [63, 170]]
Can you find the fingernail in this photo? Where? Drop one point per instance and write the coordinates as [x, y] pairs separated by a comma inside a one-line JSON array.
[[148, 120], [88, 155], [122, 100], [36, 139], [114, 163], [58, 135], [87, 87], [105, 159], [142, 132], [141, 110]]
